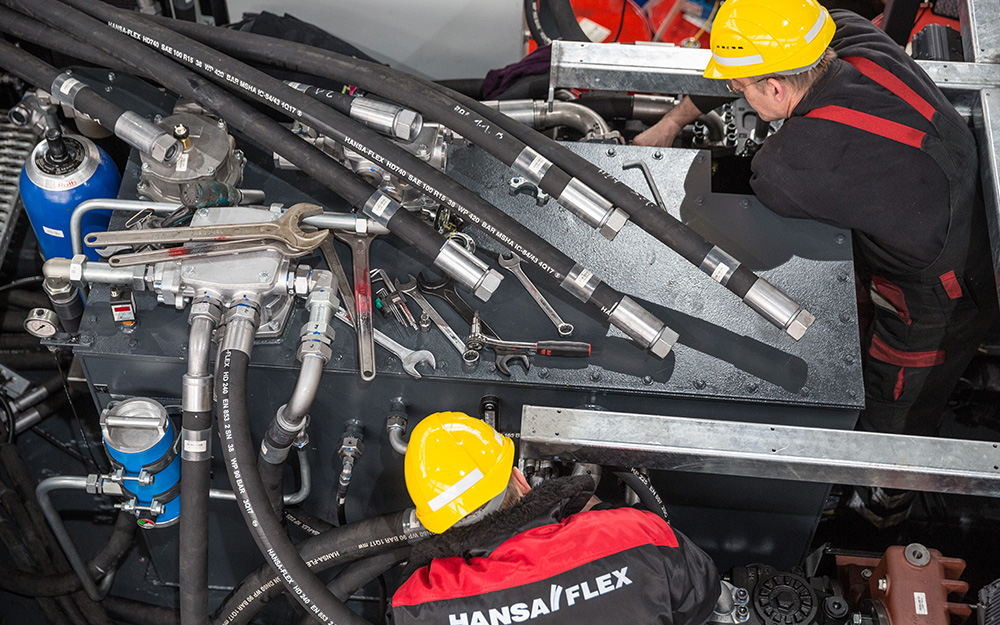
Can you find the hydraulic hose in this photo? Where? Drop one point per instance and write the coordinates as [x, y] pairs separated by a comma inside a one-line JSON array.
[[358, 573], [534, 20], [256, 126], [35, 585], [253, 83], [569, 28], [622, 311], [196, 463], [643, 487], [338, 546], [237, 451], [555, 168], [128, 126], [23, 27]]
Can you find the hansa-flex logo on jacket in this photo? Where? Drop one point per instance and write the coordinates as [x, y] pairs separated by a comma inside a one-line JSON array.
[[520, 612]]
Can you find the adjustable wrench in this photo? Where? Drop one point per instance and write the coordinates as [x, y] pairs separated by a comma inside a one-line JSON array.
[[408, 357], [410, 288], [513, 264], [445, 289], [285, 229], [359, 242]]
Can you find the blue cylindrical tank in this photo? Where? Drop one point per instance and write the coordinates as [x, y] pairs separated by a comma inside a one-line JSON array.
[[139, 436], [61, 172]]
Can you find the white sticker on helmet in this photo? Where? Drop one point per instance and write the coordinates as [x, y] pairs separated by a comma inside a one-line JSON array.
[[818, 26], [455, 491], [738, 61]]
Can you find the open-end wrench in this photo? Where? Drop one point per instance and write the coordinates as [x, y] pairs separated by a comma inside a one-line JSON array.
[[285, 229], [202, 249], [477, 340], [408, 357], [359, 242], [410, 288], [445, 289], [512, 263]]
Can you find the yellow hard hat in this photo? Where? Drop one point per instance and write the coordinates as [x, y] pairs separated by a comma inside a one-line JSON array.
[[757, 37], [454, 464]]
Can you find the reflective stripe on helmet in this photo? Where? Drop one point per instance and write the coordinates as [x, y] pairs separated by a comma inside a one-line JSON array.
[[818, 26], [455, 491], [737, 61]]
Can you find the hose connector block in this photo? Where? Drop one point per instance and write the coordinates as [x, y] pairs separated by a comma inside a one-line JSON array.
[[468, 270], [643, 327]]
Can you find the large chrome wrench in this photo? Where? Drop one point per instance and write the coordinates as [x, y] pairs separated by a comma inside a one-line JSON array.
[[410, 288], [285, 229], [409, 357], [359, 242], [512, 263], [203, 249]]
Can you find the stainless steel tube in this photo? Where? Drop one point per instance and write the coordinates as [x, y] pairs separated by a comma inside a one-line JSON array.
[[305, 485], [66, 482]]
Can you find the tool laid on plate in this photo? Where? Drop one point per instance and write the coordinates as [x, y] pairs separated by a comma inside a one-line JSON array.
[[389, 301], [512, 263], [360, 242], [408, 357], [477, 340], [410, 288]]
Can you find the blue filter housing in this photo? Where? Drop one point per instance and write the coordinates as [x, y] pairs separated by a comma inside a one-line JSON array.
[[60, 173], [141, 440]]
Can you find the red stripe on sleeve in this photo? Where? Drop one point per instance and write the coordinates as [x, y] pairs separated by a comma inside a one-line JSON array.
[[870, 123], [537, 554], [882, 76], [882, 351], [894, 295]]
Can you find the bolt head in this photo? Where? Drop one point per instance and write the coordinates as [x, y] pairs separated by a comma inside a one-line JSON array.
[[614, 223], [264, 276], [883, 584], [145, 167]]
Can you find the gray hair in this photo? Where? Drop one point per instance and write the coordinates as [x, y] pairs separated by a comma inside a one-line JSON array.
[[802, 81]]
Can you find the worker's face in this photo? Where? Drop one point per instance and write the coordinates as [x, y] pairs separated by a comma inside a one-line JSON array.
[[769, 97]]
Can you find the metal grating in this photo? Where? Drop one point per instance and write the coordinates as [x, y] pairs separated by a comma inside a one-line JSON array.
[[15, 146]]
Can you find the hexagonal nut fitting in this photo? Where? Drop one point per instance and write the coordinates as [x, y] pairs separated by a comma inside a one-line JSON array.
[[489, 283], [799, 324], [615, 221], [324, 296], [206, 308], [318, 330], [300, 282], [663, 342], [315, 347], [165, 148], [395, 422], [407, 124]]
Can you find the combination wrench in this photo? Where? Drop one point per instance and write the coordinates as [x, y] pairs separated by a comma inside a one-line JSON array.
[[512, 263], [410, 288], [360, 242], [410, 358]]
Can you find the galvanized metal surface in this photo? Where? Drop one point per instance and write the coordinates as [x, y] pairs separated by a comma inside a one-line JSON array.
[[986, 125], [725, 350], [980, 24], [761, 450]]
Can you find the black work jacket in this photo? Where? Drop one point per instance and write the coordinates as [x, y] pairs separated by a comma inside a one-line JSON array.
[[538, 562]]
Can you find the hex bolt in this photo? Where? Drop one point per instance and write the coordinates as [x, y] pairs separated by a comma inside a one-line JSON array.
[[612, 152], [157, 118], [647, 380], [543, 373], [145, 167], [265, 276], [210, 171], [222, 124], [840, 239], [595, 375], [657, 155], [883, 584], [111, 76], [699, 384], [188, 271]]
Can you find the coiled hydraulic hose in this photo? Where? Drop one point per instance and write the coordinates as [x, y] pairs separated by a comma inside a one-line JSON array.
[[642, 486], [331, 548], [127, 125], [240, 115], [622, 311], [556, 165]]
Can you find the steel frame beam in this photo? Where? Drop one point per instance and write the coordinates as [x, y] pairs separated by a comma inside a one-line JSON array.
[[761, 450]]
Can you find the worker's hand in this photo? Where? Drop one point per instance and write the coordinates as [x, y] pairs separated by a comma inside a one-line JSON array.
[[660, 135]]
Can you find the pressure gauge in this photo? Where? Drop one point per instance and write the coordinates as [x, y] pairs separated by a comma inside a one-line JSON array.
[[41, 322]]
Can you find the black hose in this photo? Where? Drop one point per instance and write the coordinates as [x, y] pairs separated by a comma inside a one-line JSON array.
[[306, 522], [193, 551], [140, 613], [40, 74], [397, 85], [643, 487], [23, 27], [534, 20], [30, 584], [13, 284], [569, 27], [335, 547], [357, 574], [270, 536], [23, 299]]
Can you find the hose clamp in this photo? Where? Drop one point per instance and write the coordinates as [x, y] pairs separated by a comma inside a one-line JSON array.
[[643, 327], [466, 269], [594, 209], [196, 394], [64, 89], [146, 137], [380, 207], [720, 265], [271, 454], [531, 165], [196, 445], [581, 282]]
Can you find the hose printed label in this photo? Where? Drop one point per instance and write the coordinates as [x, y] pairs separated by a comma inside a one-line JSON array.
[[584, 277], [380, 205], [920, 602], [52, 232], [594, 31], [68, 85], [195, 447], [720, 272], [538, 164]]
